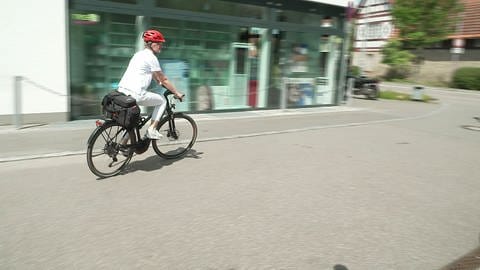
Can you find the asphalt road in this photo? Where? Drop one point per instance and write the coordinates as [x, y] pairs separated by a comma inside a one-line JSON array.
[[378, 185]]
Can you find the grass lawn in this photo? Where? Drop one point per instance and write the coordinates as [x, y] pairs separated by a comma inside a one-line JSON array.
[[388, 94]]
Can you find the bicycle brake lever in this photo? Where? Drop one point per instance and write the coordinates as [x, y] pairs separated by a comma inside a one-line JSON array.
[[180, 98]]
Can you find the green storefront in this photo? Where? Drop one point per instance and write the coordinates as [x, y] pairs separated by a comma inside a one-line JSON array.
[[225, 55]]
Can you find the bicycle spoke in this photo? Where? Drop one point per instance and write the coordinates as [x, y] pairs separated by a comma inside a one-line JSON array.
[[177, 142], [97, 155], [104, 156]]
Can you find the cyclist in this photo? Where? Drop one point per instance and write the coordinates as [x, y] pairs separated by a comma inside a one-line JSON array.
[[144, 66]]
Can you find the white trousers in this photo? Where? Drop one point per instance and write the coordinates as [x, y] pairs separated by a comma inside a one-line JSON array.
[[148, 99]]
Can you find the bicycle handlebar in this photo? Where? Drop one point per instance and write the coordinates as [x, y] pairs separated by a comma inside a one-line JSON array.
[[168, 92]]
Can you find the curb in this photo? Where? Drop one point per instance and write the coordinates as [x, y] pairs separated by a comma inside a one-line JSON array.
[[90, 123]]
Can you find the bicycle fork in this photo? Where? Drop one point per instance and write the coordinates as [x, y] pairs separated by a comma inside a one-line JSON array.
[[172, 131]]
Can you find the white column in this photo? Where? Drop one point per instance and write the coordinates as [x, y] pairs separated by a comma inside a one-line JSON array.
[[264, 69]]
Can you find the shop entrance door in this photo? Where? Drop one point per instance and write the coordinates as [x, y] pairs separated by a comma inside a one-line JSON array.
[[239, 75]]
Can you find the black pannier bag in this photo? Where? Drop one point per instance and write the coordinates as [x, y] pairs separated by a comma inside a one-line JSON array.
[[121, 108]]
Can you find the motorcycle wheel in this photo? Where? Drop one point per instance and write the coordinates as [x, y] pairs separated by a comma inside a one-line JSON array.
[[373, 93]]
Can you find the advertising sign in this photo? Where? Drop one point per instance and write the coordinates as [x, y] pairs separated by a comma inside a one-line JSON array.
[[300, 91]]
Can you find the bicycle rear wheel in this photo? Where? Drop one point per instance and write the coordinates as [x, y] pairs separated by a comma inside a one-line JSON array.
[[179, 135], [106, 155]]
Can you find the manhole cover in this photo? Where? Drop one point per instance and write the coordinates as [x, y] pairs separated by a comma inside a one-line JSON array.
[[474, 128]]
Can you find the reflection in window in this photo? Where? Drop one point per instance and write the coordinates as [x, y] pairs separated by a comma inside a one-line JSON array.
[[304, 18], [121, 1], [240, 55], [215, 7], [324, 50], [327, 21], [476, 43], [205, 48], [100, 47]]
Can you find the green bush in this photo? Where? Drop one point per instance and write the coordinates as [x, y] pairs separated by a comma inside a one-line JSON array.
[[354, 71], [399, 60], [398, 72], [466, 78]]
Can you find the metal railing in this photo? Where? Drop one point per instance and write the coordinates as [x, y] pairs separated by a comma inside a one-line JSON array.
[[18, 82]]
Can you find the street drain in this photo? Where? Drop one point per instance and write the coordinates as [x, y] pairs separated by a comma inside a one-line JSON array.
[[470, 261]]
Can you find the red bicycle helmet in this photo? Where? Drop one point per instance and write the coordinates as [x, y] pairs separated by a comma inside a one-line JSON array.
[[153, 36]]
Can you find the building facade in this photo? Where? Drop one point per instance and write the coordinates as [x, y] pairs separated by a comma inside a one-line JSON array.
[[374, 27], [225, 55]]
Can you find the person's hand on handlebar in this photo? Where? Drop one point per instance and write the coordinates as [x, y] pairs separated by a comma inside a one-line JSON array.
[[165, 82], [179, 96]]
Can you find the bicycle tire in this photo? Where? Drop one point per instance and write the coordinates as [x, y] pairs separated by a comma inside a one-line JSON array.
[[175, 143], [105, 156]]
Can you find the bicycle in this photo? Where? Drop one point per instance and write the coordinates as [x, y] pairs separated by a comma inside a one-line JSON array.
[[111, 146]]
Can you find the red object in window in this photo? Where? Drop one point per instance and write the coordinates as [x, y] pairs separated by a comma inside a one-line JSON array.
[[252, 93]]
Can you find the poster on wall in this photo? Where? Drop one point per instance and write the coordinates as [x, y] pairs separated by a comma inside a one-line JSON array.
[[300, 91], [177, 72], [323, 93]]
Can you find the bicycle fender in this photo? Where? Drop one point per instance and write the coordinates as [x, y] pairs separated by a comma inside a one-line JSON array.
[[93, 134]]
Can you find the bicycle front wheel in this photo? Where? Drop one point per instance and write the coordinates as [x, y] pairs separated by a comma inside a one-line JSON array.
[[179, 134], [108, 152]]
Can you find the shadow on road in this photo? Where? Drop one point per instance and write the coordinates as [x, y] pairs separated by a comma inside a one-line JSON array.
[[155, 162]]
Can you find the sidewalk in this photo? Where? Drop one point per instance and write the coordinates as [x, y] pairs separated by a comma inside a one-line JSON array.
[[70, 138], [408, 88]]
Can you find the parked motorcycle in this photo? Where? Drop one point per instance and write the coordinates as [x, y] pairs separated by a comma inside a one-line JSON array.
[[368, 87]]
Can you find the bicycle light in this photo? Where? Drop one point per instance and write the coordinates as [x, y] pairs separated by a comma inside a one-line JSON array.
[[99, 123]]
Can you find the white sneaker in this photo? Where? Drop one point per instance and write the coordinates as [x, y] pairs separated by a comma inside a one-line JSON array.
[[153, 134]]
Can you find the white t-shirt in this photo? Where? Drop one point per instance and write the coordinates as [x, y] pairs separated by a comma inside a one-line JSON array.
[[138, 76]]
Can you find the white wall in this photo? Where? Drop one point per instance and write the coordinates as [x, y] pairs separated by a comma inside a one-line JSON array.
[[34, 45], [342, 3]]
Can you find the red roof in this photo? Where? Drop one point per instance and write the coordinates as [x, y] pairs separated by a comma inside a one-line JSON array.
[[469, 26]]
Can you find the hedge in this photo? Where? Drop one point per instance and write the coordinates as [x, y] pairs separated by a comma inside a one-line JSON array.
[[466, 78]]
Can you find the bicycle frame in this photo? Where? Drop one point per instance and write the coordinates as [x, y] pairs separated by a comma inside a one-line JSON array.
[[167, 113]]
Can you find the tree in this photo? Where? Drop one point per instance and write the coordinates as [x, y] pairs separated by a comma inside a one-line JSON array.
[[399, 60], [424, 22]]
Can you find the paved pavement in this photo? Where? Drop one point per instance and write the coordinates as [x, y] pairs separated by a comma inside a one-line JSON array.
[[69, 138], [373, 185]]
